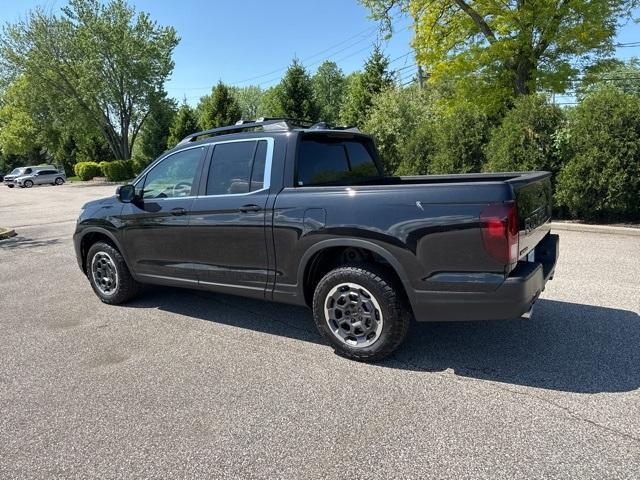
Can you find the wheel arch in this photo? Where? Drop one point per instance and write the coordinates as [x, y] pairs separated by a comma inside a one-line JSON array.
[[93, 235], [315, 253]]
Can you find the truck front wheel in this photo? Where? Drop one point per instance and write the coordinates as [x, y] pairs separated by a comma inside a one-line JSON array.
[[361, 311]]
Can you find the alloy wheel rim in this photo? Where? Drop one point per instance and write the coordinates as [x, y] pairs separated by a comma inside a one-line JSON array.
[[353, 315], [104, 273]]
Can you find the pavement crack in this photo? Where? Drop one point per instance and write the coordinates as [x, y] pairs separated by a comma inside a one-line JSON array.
[[572, 414]]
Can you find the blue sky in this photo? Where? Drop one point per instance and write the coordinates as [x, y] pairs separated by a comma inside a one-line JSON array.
[[246, 42]]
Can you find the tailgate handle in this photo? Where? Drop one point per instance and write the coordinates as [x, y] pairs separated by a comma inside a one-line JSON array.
[[250, 208]]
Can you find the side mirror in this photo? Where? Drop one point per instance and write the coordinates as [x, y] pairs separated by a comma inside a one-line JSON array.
[[126, 193]]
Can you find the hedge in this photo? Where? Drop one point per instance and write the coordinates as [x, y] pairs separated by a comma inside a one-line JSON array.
[[600, 146], [87, 170], [118, 170]]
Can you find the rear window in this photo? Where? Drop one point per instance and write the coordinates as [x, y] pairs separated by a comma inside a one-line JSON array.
[[327, 161]]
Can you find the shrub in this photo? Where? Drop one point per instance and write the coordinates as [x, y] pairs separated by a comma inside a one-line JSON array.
[[87, 170], [601, 145], [417, 151], [118, 170], [524, 140], [459, 136], [103, 166]]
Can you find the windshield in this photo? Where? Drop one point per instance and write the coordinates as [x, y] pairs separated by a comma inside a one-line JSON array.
[[16, 171]]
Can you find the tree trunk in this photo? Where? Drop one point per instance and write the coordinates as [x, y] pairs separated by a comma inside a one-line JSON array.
[[524, 76]]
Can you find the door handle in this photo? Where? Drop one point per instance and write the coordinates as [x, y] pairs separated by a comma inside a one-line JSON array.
[[178, 211], [250, 208]]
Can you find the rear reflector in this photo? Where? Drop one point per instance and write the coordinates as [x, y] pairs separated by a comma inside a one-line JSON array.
[[499, 225]]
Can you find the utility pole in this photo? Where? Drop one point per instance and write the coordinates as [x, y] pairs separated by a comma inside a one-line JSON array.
[[420, 76]]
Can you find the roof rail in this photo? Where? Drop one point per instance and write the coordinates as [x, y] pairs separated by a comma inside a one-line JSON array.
[[245, 125]]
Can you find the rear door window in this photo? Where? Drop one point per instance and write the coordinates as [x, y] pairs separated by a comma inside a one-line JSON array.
[[237, 167]]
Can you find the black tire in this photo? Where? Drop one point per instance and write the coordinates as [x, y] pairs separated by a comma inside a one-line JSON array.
[[59, 181], [28, 184], [10, 186], [126, 287], [387, 293]]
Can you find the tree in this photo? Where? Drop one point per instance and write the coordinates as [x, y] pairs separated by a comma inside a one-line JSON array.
[[103, 60], [248, 99], [393, 118], [295, 94], [525, 139], [612, 73], [363, 87], [516, 47], [328, 91], [19, 133], [154, 134], [270, 104], [185, 123], [218, 109], [600, 145]]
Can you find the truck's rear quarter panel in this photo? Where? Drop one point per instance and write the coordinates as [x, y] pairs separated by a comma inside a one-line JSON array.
[[428, 229]]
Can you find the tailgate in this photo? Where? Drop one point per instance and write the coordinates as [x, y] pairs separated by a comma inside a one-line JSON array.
[[532, 192]]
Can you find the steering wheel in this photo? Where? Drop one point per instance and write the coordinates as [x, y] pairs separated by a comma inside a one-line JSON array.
[[180, 188]]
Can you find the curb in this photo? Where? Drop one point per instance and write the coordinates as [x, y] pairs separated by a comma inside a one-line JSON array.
[[581, 227], [6, 233]]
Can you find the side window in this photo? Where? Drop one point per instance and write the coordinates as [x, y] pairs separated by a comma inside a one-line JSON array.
[[173, 177], [322, 161], [233, 168]]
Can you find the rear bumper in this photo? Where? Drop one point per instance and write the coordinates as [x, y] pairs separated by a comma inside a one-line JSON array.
[[510, 299]]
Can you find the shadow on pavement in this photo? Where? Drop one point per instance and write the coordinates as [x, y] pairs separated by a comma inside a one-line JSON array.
[[565, 346], [19, 243]]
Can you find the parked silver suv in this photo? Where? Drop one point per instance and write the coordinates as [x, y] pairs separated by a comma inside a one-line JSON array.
[[41, 177], [10, 179]]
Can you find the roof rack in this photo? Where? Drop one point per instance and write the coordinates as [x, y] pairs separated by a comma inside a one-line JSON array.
[[246, 125], [270, 124]]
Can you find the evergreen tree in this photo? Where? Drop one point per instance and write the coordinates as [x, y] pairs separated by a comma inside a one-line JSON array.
[[364, 86], [295, 94], [218, 109], [184, 124]]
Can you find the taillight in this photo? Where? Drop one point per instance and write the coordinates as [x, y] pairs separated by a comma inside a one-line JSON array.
[[499, 225]]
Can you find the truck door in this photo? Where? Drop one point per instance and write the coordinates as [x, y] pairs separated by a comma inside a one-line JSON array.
[[227, 228]]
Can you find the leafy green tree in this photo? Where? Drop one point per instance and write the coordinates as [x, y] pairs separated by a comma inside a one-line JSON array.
[[393, 118], [270, 104], [19, 133], [104, 61], [612, 73], [185, 123], [525, 139], [600, 178], [328, 91], [514, 48], [295, 94], [218, 109], [364, 86], [154, 134], [248, 99]]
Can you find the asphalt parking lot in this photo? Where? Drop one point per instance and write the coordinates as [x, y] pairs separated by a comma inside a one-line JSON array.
[[189, 384]]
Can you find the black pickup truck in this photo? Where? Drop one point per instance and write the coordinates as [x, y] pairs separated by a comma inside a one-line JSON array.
[[305, 215]]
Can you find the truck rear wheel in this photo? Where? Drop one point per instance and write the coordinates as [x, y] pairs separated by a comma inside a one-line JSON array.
[[361, 311]]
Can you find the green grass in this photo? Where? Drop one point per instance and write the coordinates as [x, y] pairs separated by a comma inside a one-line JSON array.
[[73, 179]]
